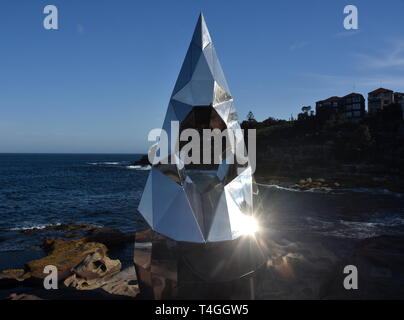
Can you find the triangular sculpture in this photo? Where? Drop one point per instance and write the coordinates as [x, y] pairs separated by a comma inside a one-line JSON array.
[[200, 203]]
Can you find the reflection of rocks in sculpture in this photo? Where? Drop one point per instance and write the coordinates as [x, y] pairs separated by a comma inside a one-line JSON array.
[[201, 215]]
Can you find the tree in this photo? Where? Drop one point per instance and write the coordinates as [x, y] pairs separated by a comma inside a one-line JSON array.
[[306, 109], [361, 138], [250, 117]]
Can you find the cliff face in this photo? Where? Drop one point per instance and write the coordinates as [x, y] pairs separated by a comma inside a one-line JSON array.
[[370, 153]]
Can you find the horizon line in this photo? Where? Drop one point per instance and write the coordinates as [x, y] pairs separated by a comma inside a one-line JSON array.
[[123, 153]]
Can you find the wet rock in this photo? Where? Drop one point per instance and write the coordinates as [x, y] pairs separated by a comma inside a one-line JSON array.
[[70, 234], [93, 272], [65, 255], [144, 161], [110, 237], [336, 184], [296, 270]]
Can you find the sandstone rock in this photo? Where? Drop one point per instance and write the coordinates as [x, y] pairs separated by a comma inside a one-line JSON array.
[[93, 271], [123, 283], [16, 274], [23, 296], [70, 234], [309, 180], [320, 180], [302, 181], [65, 255], [110, 237], [13, 278]]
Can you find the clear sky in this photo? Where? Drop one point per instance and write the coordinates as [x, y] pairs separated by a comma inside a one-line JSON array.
[[103, 80]]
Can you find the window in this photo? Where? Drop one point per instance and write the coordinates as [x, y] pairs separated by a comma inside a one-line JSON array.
[[357, 113], [357, 106]]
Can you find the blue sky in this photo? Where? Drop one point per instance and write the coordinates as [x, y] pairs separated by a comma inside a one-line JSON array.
[[103, 80]]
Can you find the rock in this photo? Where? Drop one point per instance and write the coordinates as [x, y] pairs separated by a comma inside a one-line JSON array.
[[16, 274], [144, 236], [123, 283], [379, 262], [65, 255], [93, 271], [13, 278], [302, 181], [23, 296], [296, 270], [70, 234], [336, 184], [144, 161], [320, 180], [110, 237], [309, 180]]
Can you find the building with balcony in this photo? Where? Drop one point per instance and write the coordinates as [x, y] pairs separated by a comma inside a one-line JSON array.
[[378, 99], [351, 106]]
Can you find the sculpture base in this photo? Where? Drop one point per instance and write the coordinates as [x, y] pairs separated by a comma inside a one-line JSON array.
[[167, 269]]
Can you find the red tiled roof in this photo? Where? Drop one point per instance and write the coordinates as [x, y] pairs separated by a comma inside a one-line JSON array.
[[380, 90], [335, 98], [353, 94]]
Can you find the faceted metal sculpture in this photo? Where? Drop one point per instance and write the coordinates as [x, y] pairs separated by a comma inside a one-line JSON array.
[[201, 214], [200, 203]]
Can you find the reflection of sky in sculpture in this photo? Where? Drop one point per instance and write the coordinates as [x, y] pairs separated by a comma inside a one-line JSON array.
[[200, 203]]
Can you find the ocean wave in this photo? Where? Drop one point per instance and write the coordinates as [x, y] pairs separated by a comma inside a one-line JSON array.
[[138, 167], [312, 190], [35, 227], [107, 163]]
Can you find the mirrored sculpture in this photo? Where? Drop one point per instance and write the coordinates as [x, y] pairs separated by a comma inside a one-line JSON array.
[[201, 214]]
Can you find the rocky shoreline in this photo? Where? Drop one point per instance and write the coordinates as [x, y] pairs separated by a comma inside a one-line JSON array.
[[81, 254], [326, 183], [299, 267]]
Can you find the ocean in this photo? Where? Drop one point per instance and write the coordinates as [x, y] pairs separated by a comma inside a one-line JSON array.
[[38, 190]]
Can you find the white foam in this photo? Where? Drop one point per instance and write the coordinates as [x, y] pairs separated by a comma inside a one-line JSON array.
[[35, 227], [138, 167]]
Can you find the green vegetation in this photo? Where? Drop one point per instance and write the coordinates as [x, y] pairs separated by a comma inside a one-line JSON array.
[[310, 147]]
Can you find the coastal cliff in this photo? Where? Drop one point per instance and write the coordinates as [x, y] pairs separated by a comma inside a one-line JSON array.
[[366, 154]]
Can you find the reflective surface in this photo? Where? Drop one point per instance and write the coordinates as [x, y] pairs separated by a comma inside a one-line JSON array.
[[167, 269], [207, 202]]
